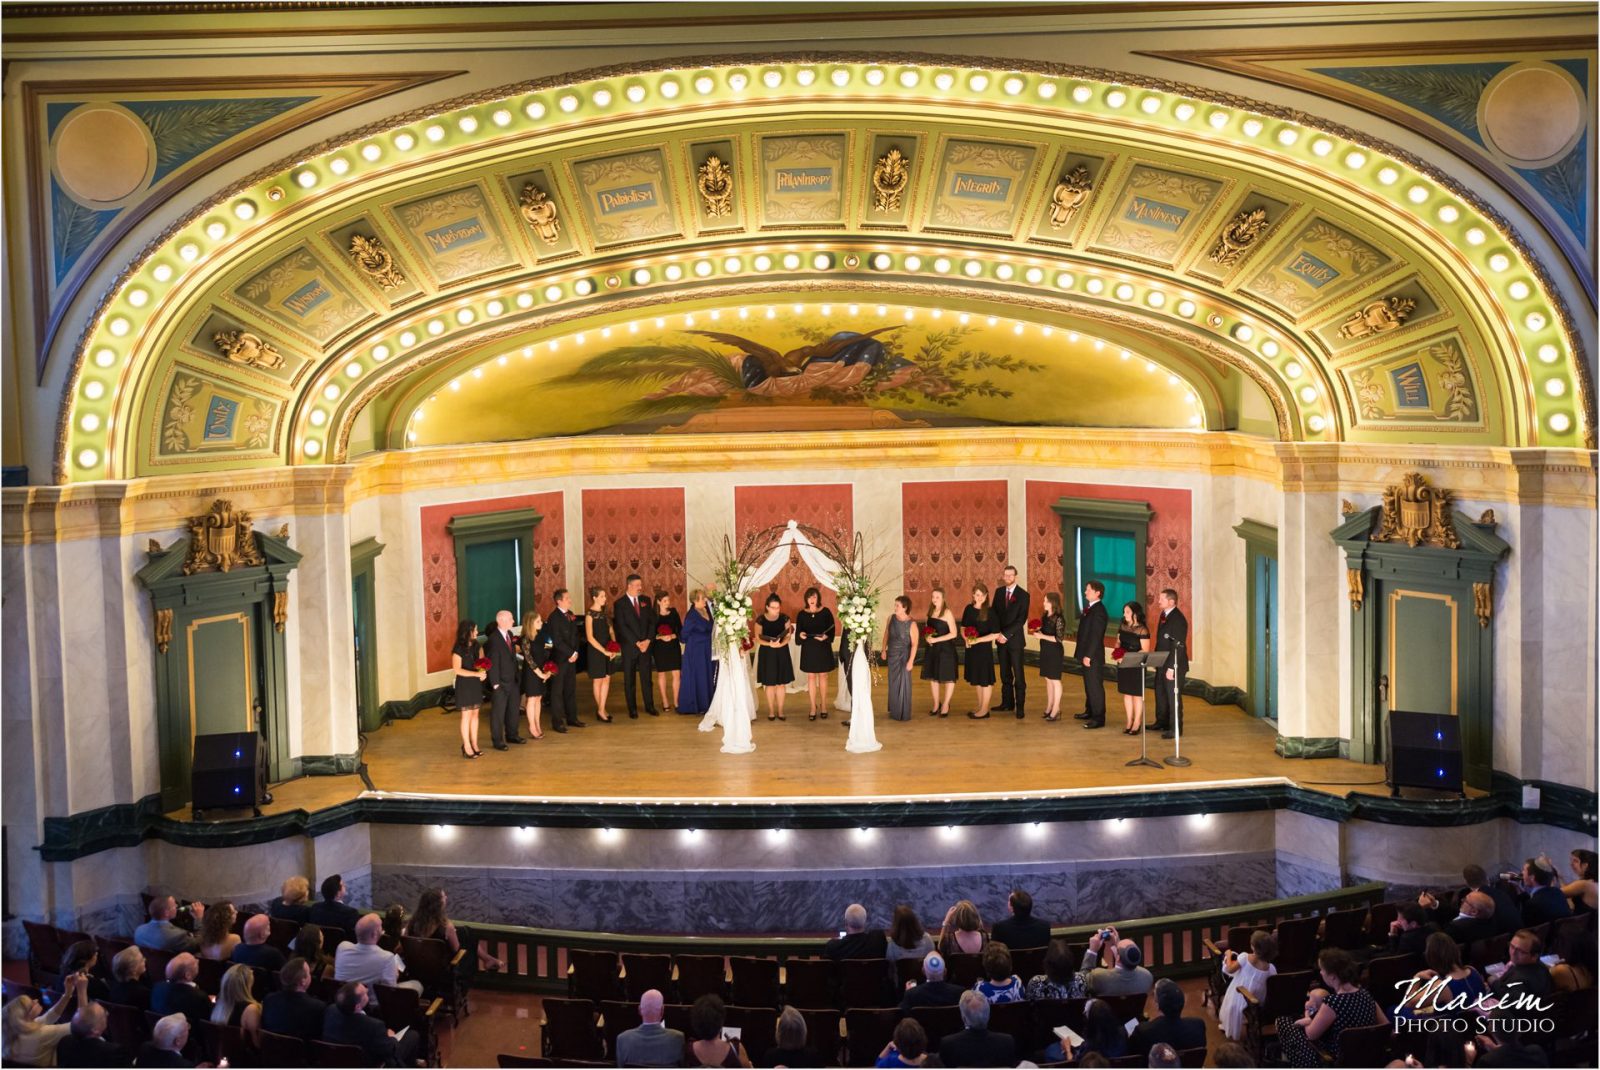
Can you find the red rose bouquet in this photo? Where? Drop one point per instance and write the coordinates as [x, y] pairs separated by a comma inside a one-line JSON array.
[[747, 644], [613, 647], [969, 633], [1117, 653], [548, 667], [482, 665], [1035, 624], [664, 630]]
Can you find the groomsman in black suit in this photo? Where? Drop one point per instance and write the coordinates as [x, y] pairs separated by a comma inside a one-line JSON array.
[[1011, 613], [1172, 635], [1091, 654], [503, 713], [635, 620], [566, 643]]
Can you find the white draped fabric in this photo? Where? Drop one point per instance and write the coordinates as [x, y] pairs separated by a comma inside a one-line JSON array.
[[863, 736], [733, 705]]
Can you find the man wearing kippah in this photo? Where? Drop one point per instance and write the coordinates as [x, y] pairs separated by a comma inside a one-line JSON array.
[[935, 991]]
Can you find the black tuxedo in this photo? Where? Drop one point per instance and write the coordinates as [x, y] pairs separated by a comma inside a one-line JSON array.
[[565, 640], [1172, 635], [504, 712], [634, 623], [1011, 617], [1092, 645]]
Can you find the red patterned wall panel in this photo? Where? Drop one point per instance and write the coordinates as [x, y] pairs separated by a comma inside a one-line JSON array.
[[633, 530], [954, 535], [439, 562], [825, 507], [1168, 557]]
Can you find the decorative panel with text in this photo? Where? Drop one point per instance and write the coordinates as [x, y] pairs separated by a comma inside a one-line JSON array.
[[633, 530], [1168, 557], [954, 536], [826, 507], [439, 563]]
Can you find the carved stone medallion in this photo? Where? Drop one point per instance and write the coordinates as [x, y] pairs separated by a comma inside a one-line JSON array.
[[221, 539], [1417, 514]]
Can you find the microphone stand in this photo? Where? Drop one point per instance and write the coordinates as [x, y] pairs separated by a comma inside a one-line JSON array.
[[1177, 758]]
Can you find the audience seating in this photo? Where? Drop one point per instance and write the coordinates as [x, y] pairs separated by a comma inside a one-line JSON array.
[[209, 977], [569, 1030], [1366, 1045], [44, 954], [1565, 932], [907, 971], [964, 970], [810, 983], [1297, 943], [108, 947], [1028, 962], [279, 1050], [155, 963], [282, 933], [1382, 974], [125, 1026], [756, 1026], [822, 1033], [1482, 953], [1285, 995], [755, 981], [402, 1008], [676, 1016], [323, 1054], [1049, 1013], [617, 1017], [644, 972], [866, 1032], [938, 1022], [864, 983], [592, 975], [439, 969], [1378, 919], [1345, 929], [221, 1042], [700, 975], [1015, 1019], [1192, 1058]]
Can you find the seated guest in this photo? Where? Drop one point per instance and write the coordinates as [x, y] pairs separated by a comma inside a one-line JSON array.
[[346, 1022], [309, 946], [962, 931], [934, 991], [708, 1048], [294, 902], [789, 1042], [161, 934], [1409, 932], [1577, 972], [1507, 915], [1125, 977], [975, 1045], [1169, 1026], [178, 994], [908, 1048], [1164, 1057], [1021, 929], [1232, 1055], [217, 938], [1060, 979], [394, 927], [999, 985], [30, 1034], [129, 986], [1250, 972], [907, 938], [332, 911], [1474, 919], [87, 1045], [1524, 975], [1443, 981], [236, 1001], [1545, 900], [290, 1011], [366, 962], [81, 957], [430, 922], [166, 1044], [858, 942], [1103, 1036], [1583, 890], [651, 1043], [254, 950], [1344, 1005]]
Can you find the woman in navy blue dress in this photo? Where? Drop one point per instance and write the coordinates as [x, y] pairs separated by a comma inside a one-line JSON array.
[[697, 685]]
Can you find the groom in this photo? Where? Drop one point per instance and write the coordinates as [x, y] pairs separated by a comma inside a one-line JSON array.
[[635, 618], [1011, 614]]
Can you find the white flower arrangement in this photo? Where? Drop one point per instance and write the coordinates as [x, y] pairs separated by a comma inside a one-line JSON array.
[[858, 612], [730, 615]]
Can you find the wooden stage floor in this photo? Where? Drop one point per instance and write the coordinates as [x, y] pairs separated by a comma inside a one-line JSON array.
[[666, 758]]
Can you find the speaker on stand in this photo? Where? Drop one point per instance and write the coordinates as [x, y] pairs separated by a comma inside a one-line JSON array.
[[1424, 752], [229, 771]]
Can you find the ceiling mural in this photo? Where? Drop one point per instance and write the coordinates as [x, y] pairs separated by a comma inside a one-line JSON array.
[[1209, 234]]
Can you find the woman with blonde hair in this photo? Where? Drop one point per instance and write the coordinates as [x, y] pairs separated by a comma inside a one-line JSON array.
[[534, 647], [236, 1002], [29, 1033], [294, 904], [962, 932], [217, 938], [694, 691]]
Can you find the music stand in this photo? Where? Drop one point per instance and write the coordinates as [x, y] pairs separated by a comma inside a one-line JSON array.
[[1142, 661]]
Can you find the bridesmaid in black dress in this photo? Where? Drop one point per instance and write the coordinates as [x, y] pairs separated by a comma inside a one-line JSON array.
[[533, 651], [1052, 659], [1133, 635], [979, 630], [469, 685], [666, 656], [939, 666], [597, 632], [774, 666], [813, 626]]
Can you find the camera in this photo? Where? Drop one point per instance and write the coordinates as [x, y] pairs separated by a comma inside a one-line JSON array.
[[1106, 934]]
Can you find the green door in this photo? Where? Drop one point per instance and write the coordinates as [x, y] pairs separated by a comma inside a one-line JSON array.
[[222, 676], [366, 648], [1110, 557], [493, 581], [1420, 654], [1264, 617]]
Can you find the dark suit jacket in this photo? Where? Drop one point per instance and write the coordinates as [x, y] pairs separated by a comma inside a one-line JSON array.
[[368, 1034], [264, 956], [294, 1014], [1412, 941], [129, 993], [300, 912], [566, 639], [1012, 616], [74, 1050], [1015, 932], [978, 1047], [1545, 904], [931, 994], [150, 1055], [171, 998], [632, 626], [1177, 626], [1091, 636], [1181, 1033], [336, 914], [502, 660], [872, 944], [1467, 930]]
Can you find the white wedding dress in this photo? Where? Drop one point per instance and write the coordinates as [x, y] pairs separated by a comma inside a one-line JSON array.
[[733, 704]]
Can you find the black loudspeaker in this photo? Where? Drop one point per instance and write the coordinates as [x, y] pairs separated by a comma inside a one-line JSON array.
[[227, 772], [1424, 752]]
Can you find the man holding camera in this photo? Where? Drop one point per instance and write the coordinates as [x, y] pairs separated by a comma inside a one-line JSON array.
[[1114, 967]]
